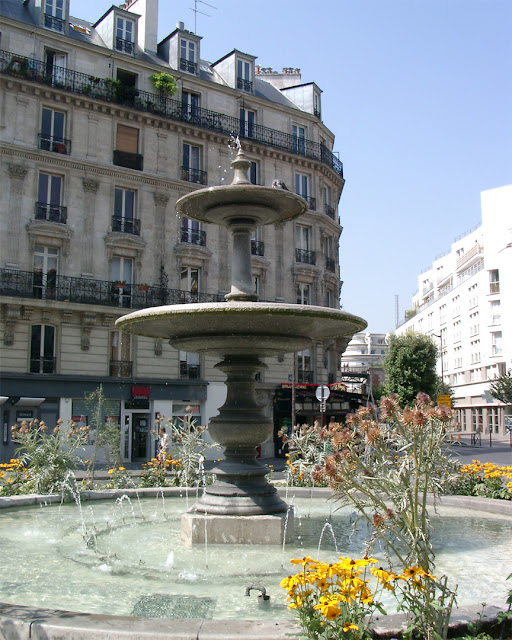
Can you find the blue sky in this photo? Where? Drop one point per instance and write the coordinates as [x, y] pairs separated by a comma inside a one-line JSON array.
[[418, 94]]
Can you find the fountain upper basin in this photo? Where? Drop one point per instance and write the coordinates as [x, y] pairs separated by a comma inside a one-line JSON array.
[[241, 328]]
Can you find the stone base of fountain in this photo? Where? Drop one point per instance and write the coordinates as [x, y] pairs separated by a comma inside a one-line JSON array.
[[201, 528]]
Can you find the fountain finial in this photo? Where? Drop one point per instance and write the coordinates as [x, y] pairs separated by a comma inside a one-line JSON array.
[[241, 166]]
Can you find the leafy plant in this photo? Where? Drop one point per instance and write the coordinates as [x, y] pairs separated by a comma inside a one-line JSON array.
[[119, 478], [165, 83], [307, 445]]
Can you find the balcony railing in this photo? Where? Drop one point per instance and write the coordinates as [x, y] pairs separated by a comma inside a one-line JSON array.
[[194, 175], [126, 46], [330, 264], [465, 257], [51, 212], [307, 377], [494, 287], [244, 85], [128, 160], [190, 371], [121, 369], [317, 113], [330, 211], [126, 225], [310, 200], [27, 284], [190, 236], [51, 22], [303, 255], [54, 143], [188, 65], [42, 365], [257, 248], [68, 80]]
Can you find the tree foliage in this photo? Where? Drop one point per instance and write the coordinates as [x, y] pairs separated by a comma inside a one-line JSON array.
[[411, 367], [501, 388]]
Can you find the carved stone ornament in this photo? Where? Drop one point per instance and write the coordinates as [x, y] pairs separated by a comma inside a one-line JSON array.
[[90, 185], [11, 314], [17, 171], [157, 347], [161, 199]]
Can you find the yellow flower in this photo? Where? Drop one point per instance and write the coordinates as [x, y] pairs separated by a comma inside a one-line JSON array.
[[121, 469], [347, 626], [9, 480], [111, 470], [329, 607]]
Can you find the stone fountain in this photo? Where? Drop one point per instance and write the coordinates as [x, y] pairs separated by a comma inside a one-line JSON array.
[[240, 506]]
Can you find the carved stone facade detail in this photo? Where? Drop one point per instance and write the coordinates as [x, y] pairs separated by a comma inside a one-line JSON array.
[[88, 322], [12, 314], [90, 185], [17, 172]]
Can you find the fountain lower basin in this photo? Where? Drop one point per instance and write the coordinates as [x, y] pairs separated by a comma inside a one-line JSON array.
[[183, 580]]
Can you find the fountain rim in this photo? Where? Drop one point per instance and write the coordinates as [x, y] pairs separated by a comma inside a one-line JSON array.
[[29, 622]]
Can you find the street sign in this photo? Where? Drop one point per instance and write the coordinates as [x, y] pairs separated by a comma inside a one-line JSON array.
[[322, 393], [445, 400]]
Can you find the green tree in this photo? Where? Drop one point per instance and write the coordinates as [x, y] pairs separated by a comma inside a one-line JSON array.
[[411, 367], [501, 388]]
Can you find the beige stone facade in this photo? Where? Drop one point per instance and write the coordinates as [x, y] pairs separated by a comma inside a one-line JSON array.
[[92, 161]]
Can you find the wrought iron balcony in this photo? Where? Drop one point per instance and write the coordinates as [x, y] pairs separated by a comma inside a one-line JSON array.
[[194, 175], [121, 369], [244, 85], [76, 82], [126, 225], [190, 371], [126, 46], [188, 65], [305, 256], [257, 248], [51, 22], [128, 160], [317, 113], [310, 200], [51, 286], [330, 211], [193, 236], [51, 212], [54, 143], [307, 377], [330, 264], [42, 365]]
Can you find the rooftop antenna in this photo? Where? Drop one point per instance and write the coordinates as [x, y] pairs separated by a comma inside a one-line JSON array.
[[196, 11]]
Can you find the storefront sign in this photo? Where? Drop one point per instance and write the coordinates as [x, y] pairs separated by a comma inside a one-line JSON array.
[[140, 393]]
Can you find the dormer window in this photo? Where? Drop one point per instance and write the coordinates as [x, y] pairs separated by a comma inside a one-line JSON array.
[[188, 56], [316, 105], [244, 75], [125, 35], [54, 15]]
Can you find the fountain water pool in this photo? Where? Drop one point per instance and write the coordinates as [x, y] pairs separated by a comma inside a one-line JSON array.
[[124, 557]]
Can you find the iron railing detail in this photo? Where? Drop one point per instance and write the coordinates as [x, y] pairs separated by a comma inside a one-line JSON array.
[[190, 371], [42, 365], [317, 113], [330, 264], [126, 225], [305, 256], [257, 248], [330, 211], [103, 89], [310, 200], [193, 236], [194, 175], [188, 65], [244, 85], [128, 160], [52, 22], [54, 143], [126, 46], [51, 212], [121, 368]]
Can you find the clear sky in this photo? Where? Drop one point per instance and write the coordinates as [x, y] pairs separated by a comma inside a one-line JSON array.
[[419, 96]]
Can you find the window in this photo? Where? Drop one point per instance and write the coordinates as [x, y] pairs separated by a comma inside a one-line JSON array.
[[304, 366], [125, 35], [120, 355], [473, 296], [299, 139], [42, 349], [127, 147], [495, 312], [188, 61], [456, 306], [496, 343], [254, 173], [430, 321], [56, 64], [303, 293], [477, 419], [189, 365], [316, 105], [457, 361], [330, 261], [302, 189], [189, 106], [474, 326], [247, 122], [328, 207], [257, 244], [49, 199], [121, 275], [191, 232], [494, 281], [52, 131], [189, 283], [493, 420], [302, 245], [45, 265], [243, 75], [124, 220], [257, 285], [54, 14], [442, 314], [475, 351], [191, 167]]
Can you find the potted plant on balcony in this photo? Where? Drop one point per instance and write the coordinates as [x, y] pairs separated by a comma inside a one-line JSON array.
[[165, 83], [143, 286], [120, 284]]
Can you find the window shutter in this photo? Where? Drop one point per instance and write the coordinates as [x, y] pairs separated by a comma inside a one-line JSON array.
[[127, 139]]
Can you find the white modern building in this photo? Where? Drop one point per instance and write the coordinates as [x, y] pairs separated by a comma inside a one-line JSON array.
[[464, 302], [93, 158]]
